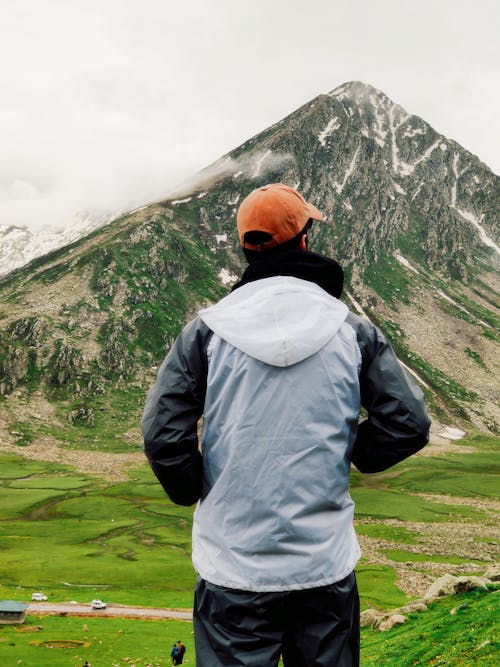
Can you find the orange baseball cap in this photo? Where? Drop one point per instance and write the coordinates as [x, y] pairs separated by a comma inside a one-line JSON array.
[[277, 210]]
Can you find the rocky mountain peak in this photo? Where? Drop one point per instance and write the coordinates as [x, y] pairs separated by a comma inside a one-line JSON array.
[[411, 215]]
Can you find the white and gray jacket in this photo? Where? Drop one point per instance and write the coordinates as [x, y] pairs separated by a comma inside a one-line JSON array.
[[279, 370]]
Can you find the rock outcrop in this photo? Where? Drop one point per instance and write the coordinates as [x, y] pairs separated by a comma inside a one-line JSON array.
[[444, 586]]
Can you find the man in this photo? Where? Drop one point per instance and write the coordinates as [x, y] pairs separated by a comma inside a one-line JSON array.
[[181, 649], [279, 370]]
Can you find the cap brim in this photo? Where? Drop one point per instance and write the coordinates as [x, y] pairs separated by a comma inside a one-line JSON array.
[[314, 213]]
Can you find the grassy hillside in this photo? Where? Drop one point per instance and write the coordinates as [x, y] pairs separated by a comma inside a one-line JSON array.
[[458, 631]]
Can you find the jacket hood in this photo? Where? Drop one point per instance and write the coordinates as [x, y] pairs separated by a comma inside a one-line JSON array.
[[280, 320]]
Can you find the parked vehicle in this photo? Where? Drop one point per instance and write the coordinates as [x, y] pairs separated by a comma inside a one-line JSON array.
[[98, 604], [39, 597]]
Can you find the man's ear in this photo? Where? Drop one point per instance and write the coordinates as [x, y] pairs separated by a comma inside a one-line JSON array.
[[303, 245]]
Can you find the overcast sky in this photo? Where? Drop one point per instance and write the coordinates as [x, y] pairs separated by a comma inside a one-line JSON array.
[[108, 104]]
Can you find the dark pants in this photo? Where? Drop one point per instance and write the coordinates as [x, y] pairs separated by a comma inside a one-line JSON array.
[[317, 627]]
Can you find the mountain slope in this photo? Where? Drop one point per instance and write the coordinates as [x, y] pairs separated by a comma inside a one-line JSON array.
[[412, 219], [455, 631]]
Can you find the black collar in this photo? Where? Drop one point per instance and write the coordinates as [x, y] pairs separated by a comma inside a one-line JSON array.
[[304, 264]]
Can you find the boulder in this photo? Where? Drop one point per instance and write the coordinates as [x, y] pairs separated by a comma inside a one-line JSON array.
[[411, 607], [371, 618], [445, 585], [493, 573], [388, 624], [464, 584], [449, 585]]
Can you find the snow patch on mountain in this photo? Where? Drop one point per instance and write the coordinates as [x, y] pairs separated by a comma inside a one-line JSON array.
[[470, 217], [402, 260], [398, 188], [356, 305], [176, 202], [419, 187], [399, 167], [226, 277], [413, 132], [333, 125], [467, 215], [427, 154], [445, 296], [340, 186]]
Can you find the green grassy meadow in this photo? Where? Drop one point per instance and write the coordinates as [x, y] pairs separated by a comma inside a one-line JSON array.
[[77, 537], [104, 642], [458, 631]]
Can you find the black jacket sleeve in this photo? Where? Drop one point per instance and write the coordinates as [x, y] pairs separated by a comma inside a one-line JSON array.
[[397, 425], [173, 408]]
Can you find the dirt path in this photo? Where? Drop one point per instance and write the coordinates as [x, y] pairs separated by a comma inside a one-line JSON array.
[[111, 611]]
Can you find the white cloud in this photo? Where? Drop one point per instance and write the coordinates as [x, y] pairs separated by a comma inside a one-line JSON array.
[[107, 104]]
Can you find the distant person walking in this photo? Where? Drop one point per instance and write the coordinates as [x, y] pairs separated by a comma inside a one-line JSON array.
[[279, 370], [181, 650], [174, 654]]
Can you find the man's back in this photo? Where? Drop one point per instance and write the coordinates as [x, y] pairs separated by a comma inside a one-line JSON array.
[[276, 513]]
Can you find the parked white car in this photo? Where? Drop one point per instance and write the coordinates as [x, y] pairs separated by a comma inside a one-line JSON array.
[[39, 597], [98, 604]]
